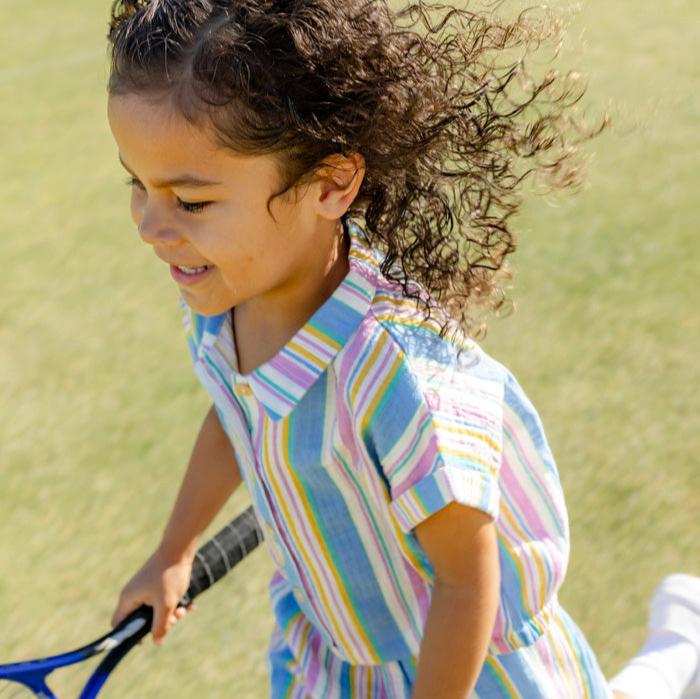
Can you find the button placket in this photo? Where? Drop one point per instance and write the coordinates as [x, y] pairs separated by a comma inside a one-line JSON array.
[[277, 540], [244, 396]]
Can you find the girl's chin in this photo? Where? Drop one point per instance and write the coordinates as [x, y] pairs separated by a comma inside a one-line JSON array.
[[204, 306]]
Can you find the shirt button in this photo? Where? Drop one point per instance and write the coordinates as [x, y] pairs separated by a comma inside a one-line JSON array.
[[244, 389]]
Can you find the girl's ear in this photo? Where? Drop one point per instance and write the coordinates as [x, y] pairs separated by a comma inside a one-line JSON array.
[[338, 184]]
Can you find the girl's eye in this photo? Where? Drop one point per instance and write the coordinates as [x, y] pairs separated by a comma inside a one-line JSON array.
[[191, 207], [133, 182]]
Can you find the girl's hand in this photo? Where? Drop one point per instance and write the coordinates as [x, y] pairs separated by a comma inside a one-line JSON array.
[[160, 583]]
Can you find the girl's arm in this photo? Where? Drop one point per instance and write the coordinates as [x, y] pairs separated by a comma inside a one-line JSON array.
[[462, 546], [211, 477]]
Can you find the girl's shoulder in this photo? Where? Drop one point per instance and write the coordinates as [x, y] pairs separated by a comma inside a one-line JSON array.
[[427, 340], [399, 370], [425, 360]]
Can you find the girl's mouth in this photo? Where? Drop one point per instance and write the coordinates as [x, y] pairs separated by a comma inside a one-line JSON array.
[[184, 274]]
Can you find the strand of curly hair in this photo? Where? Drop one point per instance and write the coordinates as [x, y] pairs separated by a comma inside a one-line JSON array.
[[437, 99]]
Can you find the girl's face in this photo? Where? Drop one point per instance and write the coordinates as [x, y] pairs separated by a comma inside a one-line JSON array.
[[203, 210]]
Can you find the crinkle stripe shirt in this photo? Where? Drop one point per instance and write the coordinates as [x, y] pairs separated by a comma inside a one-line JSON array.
[[366, 423]]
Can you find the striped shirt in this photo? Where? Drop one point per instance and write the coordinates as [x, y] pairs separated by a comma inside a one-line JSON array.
[[366, 423]]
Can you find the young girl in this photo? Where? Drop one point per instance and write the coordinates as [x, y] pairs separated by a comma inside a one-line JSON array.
[[331, 189]]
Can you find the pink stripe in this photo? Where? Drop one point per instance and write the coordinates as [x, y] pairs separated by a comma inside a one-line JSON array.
[[350, 292], [425, 459], [519, 499], [374, 377], [533, 471], [389, 574], [295, 373], [281, 469], [313, 345]]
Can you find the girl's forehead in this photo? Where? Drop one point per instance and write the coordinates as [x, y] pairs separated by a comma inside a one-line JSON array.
[[149, 130], [156, 119]]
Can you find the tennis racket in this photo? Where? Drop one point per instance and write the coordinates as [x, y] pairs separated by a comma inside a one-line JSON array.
[[212, 561]]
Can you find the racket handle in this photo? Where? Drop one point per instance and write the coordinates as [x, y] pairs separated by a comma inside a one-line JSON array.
[[223, 551], [212, 561]]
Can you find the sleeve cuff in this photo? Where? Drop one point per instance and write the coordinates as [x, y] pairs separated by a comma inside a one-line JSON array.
[[442, 487]]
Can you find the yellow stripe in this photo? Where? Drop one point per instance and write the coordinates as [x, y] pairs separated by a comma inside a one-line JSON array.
[[289, 518], [380, 390], [453, 429], [320, 547], [525, 461], [301, 350], [322, 337], [402, 303], [507, 514], [305, 632], [502, 675], [351, 677], [293, 621], [400, 537], [361, 378], [361, 255], [454, 452], [573, 656]]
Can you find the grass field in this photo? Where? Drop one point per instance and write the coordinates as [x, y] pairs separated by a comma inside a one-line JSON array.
[[99, 406]]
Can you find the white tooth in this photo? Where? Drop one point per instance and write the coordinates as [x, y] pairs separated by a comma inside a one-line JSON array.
[[192, 270]]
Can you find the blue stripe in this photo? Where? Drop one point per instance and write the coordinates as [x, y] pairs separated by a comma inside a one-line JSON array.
[[344, 545]]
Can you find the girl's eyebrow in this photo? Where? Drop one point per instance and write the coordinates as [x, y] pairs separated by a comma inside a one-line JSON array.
[[179, 181]]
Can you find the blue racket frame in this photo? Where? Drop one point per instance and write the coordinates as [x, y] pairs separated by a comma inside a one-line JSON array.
[[212, 561], [33, 673]]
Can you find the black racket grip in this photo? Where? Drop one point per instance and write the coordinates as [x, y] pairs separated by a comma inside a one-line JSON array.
[[223, 551], [212, 561]]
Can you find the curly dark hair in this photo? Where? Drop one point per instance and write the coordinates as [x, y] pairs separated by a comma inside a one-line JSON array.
[[437, 99]]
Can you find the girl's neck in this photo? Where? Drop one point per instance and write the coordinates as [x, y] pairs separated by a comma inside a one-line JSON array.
[[261, 330]]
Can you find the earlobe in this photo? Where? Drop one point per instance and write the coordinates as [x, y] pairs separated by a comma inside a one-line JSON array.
[[340, 182]]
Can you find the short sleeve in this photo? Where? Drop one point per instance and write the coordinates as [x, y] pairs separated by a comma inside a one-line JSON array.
[[446, 431]]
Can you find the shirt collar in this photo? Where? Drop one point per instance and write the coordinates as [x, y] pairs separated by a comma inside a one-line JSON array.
[[280, 383]]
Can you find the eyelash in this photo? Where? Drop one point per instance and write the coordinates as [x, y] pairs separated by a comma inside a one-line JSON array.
[[191, 207]]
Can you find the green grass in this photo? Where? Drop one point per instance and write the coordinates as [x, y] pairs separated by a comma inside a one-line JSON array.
[[100, 406]]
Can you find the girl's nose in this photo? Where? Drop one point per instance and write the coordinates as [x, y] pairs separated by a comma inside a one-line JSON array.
[[154, 229]]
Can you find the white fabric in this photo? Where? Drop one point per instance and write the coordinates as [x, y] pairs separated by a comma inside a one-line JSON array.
[[668, 667], [662, 669]]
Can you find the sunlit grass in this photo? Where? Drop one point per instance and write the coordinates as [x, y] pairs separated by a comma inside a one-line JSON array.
[[100, 406]]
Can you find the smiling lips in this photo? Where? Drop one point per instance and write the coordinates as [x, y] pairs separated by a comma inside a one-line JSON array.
[[184, 274]]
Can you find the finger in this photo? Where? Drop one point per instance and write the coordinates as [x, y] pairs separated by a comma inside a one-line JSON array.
[[160, 626]]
